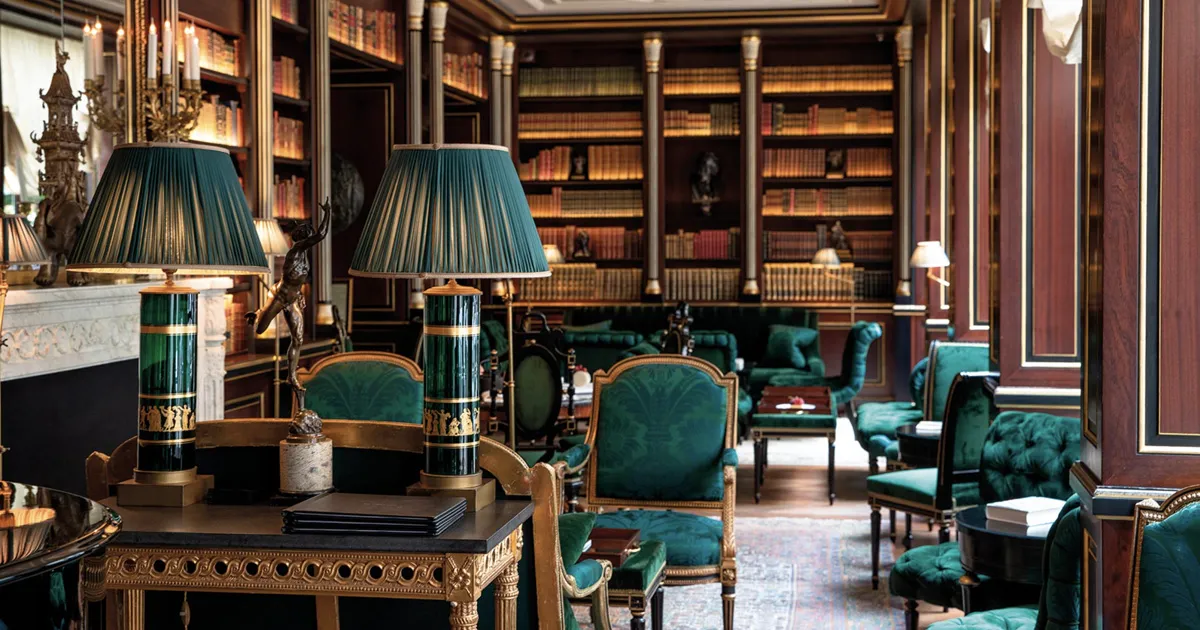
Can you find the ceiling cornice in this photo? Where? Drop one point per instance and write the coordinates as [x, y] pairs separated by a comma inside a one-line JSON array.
[[889, 11]]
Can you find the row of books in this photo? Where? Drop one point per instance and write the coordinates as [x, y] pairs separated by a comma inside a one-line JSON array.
[[863, 201], [817, 120], [286, 10], [285, 77], [288, 136], [802, 282], [701, 81], [599, 163], [217, 52], [703, 245], [464, 72], [720, 120], [584, 282], [235, 325], [868, 162], [220, 122], [695, 285], [800, 79], [586, 204], [289, 198], [867, 245], [579, 125], [827, 163], [599, 243], [599, 81], [372, 31]]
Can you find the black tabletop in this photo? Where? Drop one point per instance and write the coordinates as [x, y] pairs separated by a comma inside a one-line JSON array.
[[918, 450], [260, 527], [43, 529], [1001, 552]]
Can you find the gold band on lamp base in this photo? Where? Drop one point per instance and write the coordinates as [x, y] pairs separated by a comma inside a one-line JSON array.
[[171, 476], [478, 492]]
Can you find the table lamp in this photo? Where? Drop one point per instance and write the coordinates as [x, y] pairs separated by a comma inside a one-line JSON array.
[[451, 211], [173, 207], [930, 255], [827, 257], [18, 246]]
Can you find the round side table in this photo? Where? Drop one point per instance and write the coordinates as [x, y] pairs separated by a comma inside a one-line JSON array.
[[1000, 551]]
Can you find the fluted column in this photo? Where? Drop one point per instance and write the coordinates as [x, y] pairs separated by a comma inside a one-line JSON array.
[[135, 70], [750, 46], [506, 91], [321, 152], [437, 95], [412, 65], [495, 100], [652, 46], [262, 142], [905, 244]]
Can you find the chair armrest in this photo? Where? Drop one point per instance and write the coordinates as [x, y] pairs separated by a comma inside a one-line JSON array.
[[729, 457], [573, 590], [816, 365], [573, 459]]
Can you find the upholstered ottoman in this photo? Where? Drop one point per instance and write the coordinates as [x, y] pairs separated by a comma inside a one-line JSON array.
[[636, 585]]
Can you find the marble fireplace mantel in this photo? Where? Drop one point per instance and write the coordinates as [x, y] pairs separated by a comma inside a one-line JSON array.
[[56, 329]]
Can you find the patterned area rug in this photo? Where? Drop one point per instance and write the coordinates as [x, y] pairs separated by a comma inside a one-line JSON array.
[[793, 573]]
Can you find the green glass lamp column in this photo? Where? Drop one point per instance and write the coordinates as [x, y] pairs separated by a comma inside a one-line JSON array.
[[169, 207], [451, 211]]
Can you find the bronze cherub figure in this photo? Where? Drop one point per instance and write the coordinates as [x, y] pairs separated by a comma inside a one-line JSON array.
[[287, 297]]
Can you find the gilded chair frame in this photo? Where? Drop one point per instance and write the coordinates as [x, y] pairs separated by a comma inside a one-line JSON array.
[[1145, 513], [726, 571], [547, 495]]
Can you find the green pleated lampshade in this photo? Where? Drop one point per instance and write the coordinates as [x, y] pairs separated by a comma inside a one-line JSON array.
[[171, 205], [20, 245], [450, 211]]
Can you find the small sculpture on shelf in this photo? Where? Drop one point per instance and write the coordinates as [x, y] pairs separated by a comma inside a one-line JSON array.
[[583, 242], [706, 182], [349, 191], [579, 166], [837, 238]]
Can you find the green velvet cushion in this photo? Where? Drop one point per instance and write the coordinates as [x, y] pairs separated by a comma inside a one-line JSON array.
[[599, 350], [785, 377], [1059, 605], [586, 573], [891, 449], [573, 531], [849, 381], [573, 456], [1015, 618], [1169, 580], [745, 404], [880, 445], [366, 390], [793, 421], [641, 568], [785, 345], [729, 457], [946, 360], [660, 433], [569, 620], [1028, 454], [602, 326], [918, 485], [692, 540], [646, 347], [884, 418], [930, 574], [573, 440], [916, 380]]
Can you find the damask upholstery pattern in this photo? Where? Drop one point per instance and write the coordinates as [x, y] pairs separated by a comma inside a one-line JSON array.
[[1168, 575], [365, 390], [691, 540]]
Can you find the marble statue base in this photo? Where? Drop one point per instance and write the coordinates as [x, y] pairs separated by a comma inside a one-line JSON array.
[[305, 465]]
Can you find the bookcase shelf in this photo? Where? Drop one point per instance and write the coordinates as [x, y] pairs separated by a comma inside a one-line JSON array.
[[550, 100], [887, 94], [212, 76], [824, 182], [284, 26], [829, 137], [702, 263], [361, 60], [582, 183], [582, 140], [286, 161], [287, 101]]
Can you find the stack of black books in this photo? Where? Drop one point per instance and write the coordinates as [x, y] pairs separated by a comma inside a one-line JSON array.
[[373, 515]]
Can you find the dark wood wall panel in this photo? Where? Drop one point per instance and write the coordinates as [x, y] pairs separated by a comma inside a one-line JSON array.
[[1179, 223], [983, 121], [940, 151], [920, 189], [834, 327], [1053, 214]]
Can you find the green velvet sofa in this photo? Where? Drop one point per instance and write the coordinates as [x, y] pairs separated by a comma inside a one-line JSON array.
[[1024, 454]]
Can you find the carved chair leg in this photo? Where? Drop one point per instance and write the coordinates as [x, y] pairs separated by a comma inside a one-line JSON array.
[[832, 493], [728, 592], [911, 617], [908, 537], [758, 463], [600, 619], [876, 517], [637, 610], [892, 525], [943, 532]]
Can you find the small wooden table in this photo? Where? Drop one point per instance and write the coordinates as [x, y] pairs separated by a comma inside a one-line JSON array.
[[770, 421], [918, 450], [241, 549], [1000, 554]]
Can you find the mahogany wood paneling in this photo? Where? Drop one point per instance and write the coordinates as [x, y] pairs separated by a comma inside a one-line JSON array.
[[834, 327], [939, 147], [1117, 542], [1179, 223], [921, 183], [1093, 229]]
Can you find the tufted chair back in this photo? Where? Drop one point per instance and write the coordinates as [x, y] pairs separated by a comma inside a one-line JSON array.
[[1028, 454], [365, 386], [946, 361], [715, 346], [1058, 605], [1164, 588], [600, 349], [854, 360]]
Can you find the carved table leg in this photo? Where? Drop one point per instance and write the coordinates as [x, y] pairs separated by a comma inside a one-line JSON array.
[[327, 612], [967, 583], [656, 610], [129, 609], [506, 597], [637, 608], [464, 615]]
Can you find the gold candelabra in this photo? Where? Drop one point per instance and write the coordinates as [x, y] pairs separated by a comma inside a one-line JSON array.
[[172, 112], [106, 115]]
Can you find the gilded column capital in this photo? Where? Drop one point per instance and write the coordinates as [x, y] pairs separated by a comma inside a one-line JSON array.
[[652, 45], [904, 44], [415, 9], [506, 60], [750, 46], [437, 20], [496, 51]]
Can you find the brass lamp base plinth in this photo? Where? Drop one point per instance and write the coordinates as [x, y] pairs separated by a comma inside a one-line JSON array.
[[152, 492], [478, 492]]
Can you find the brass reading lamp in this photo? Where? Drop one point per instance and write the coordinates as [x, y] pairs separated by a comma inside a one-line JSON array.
[[172, 207], [827, 258], [930, 255], [18, 246], [451, 211]]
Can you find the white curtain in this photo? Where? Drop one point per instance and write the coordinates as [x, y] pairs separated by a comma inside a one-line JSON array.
[[27, 62]]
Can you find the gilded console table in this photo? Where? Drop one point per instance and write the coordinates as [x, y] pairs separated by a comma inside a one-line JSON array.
[[240, 549]]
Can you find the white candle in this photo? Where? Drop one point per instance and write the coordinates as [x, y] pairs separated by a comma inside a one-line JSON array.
[[188, 60], [87, 51], [98, 42], [152, 55], [120, 55], [169, 56], [195, 48]]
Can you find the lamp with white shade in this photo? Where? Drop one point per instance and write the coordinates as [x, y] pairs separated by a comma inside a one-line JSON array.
[[828, 258], [930, 255]]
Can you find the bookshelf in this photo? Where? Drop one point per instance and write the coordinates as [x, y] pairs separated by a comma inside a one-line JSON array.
[[291, 122]]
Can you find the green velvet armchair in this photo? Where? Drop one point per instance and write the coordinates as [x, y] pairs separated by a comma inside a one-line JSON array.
[[600, 349], [365, 386], [662, 438], [1058, 606], [1164, 589], [937, 493], [1024, 454], [849, 382], [875, 423]]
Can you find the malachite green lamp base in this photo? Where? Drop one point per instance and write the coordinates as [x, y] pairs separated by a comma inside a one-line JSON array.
[[451, 411], [166, 439]]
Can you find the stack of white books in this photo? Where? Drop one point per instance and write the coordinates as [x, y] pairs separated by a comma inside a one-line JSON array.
[[929, 427], [1027, 516]]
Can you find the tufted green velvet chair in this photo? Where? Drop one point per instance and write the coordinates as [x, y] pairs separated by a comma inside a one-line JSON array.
[[662, 438], [937, 493], [365, 386], [1164, 589], [875, 423], [599, 350], [1058, 606], [846, 385], [1024, 454]]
